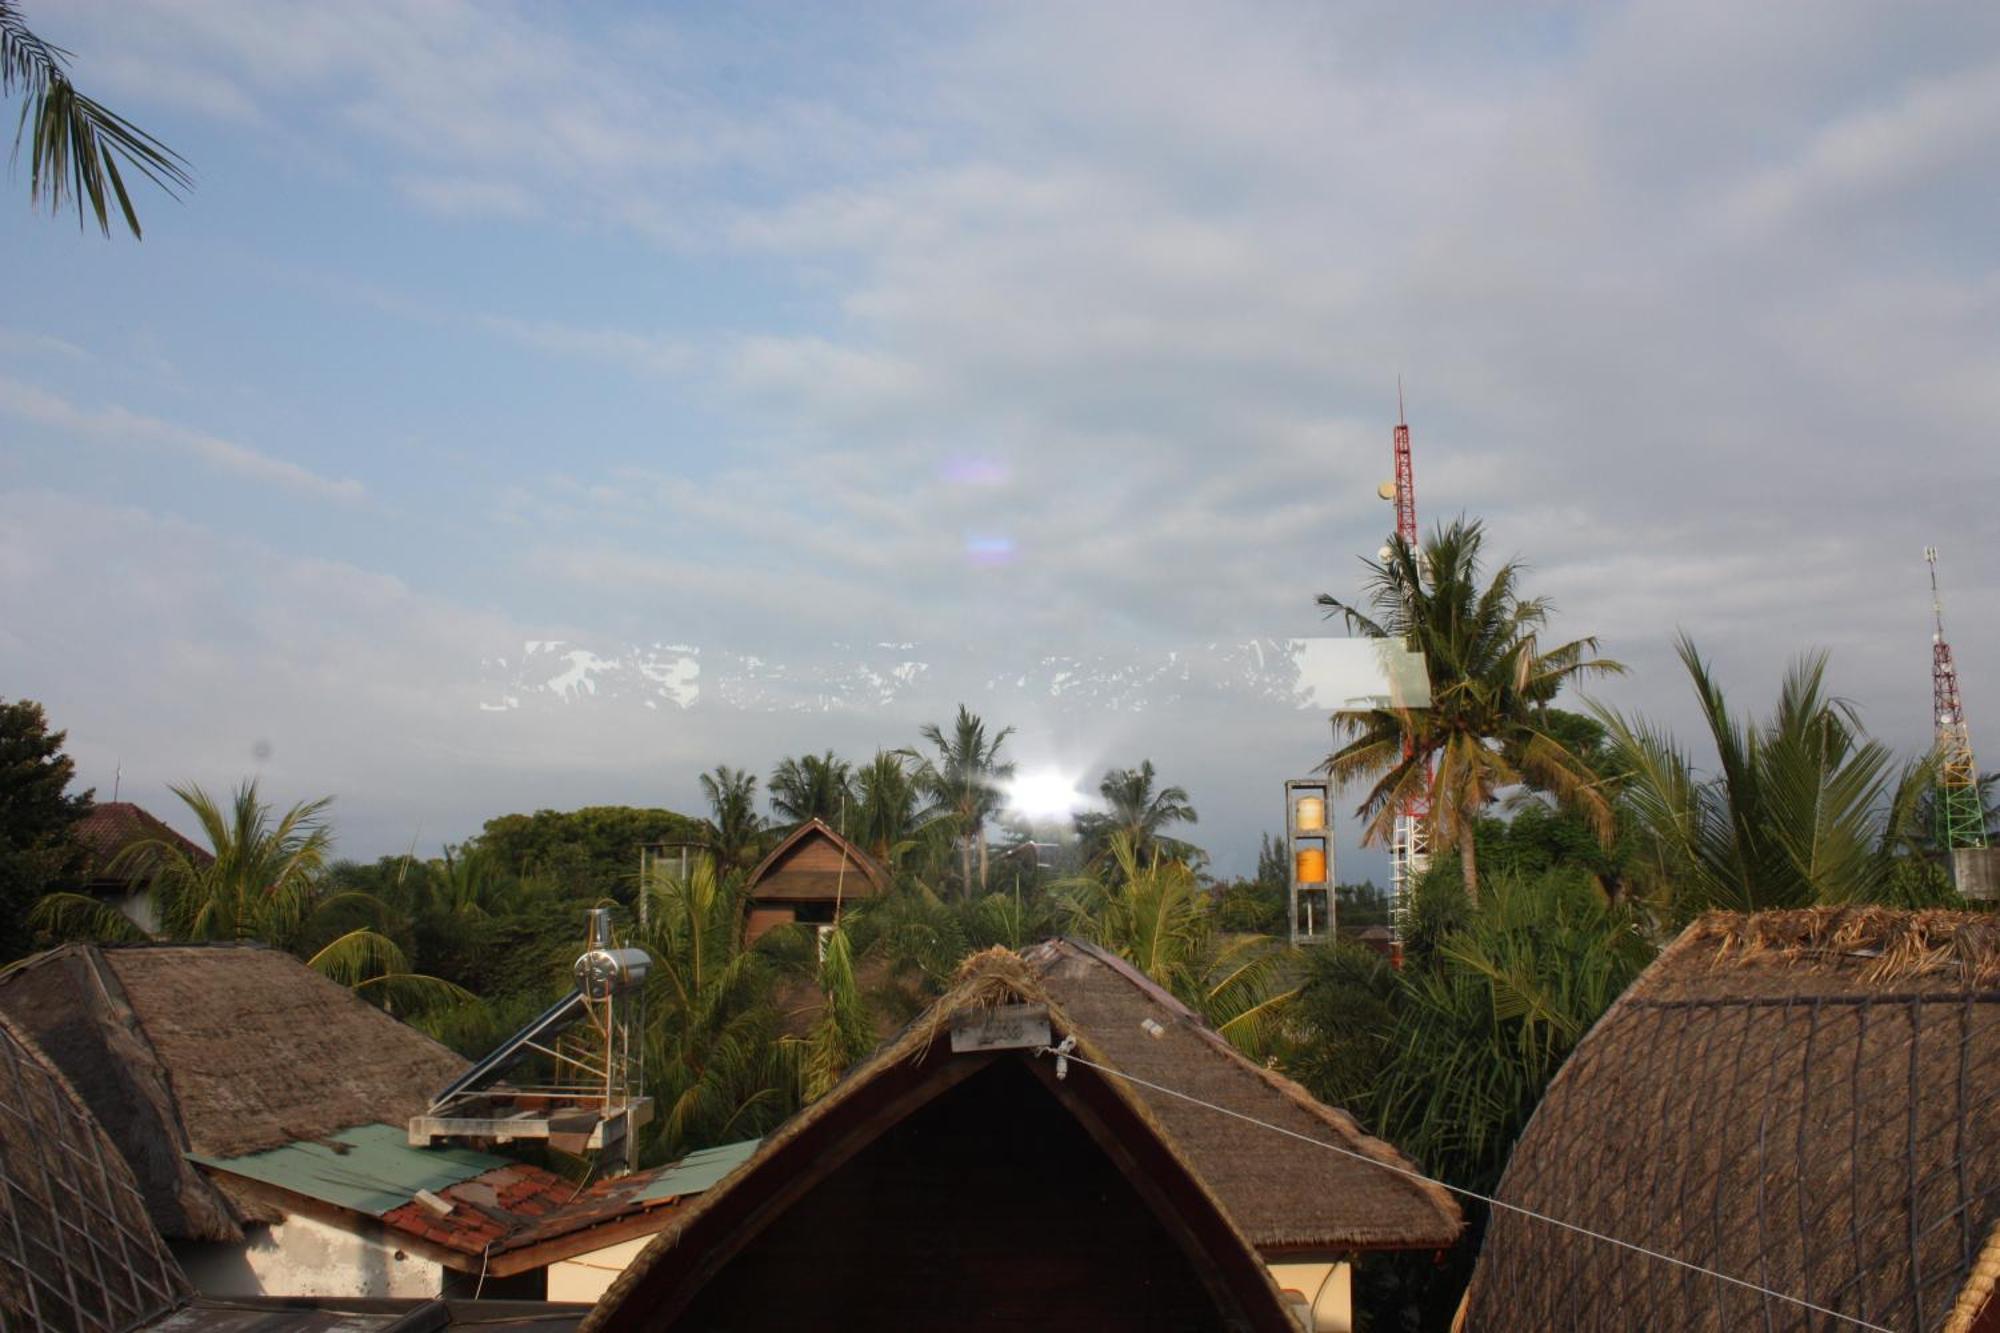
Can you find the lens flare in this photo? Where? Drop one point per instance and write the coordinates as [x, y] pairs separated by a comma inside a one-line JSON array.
[[1044, 793]]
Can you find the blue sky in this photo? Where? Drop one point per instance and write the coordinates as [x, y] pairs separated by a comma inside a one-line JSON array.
[[833, 366]]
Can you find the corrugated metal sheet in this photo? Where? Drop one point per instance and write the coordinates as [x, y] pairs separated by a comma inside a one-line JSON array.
[[699, 1170], [369, 1168]]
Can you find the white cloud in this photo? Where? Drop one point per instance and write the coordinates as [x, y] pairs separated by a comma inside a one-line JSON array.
[[117, 425]]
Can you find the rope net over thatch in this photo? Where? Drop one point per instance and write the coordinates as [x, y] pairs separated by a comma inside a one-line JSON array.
[[77, 1251], [1808, 1101]]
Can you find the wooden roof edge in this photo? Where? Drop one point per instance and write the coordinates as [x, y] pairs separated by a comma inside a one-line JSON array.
[[984, 980], [876, 872], [1341, 1121]]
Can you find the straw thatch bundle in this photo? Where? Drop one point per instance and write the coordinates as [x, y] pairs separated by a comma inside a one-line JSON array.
[[220, 1050], [1806, 1100]]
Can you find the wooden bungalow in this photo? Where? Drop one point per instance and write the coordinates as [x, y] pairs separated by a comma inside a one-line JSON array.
[[808, 875], [961, 1177], [1806, 1101]]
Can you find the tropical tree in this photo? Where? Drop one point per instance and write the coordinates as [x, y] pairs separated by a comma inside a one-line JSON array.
[[1487, 726], [732, 831], [262, 882], [74, 142], [1140, 810], [963, 780], [1156, 915], [1801, 808], [817, 786], [712, 1060], [36, 814], [889, 805]]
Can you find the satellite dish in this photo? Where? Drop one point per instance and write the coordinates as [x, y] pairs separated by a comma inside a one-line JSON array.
[[1387, 490]]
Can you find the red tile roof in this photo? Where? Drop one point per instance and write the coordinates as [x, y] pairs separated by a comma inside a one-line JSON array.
[[512, 1207], [112, 826]]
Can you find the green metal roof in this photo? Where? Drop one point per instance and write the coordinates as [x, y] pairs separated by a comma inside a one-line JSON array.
[[699, 1170], [369, 1168]]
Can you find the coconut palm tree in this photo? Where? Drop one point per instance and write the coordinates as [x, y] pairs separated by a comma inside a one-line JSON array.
[[889, 806], [74, 142], [712, 1062], [1801, 808], [1140, 811], [1486, 728], [733, 831], [817, 786], [963, 780], [263, 882]]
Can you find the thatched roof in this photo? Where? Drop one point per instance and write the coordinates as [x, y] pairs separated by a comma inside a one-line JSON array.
[[1287, 1196], [77, 1251], [893, 1082], [220, 1050], [1809, 1101], [815, 863]]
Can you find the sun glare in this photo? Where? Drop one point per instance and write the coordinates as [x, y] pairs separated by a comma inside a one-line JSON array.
[[1044, 794]]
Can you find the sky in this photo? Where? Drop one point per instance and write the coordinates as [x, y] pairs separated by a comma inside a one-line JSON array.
[[535, 406]]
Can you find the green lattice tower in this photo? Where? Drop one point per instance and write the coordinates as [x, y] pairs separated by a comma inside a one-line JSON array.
[[1961, 816]]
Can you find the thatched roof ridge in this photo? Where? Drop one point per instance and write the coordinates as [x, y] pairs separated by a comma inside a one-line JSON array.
[[986, 980], [1981, 1293], [1285, 1194], [78, 1250], [222, 1050], [1807, 1100]]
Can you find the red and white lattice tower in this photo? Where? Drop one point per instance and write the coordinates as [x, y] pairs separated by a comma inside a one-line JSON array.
[[1410, 843], [1961, 815]]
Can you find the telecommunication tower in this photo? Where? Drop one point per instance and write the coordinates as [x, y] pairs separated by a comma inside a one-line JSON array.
[[1410, 842], [1961, 815]]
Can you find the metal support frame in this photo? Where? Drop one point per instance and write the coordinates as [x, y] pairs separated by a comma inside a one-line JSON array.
[[1316, 899]]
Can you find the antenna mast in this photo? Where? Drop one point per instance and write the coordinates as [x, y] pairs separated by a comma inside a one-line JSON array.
[[1410, 843], [1961, 816]]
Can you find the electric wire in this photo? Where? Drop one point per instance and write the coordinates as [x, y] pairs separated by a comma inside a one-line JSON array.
[[1071, 1057]]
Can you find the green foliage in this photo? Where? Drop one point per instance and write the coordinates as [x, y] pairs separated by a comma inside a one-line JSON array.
[[713, 1064], [889, 806], [733, 833], [590, 853], [817, 786], [963, 780], [1802, 808], [1489, 725], [37, 854], [76, 143], [841, 1034], [1156, 916], [1141, 812], [1341, 1026]]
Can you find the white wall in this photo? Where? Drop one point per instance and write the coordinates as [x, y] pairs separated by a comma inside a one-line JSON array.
[[585, 1276], [1327, 1288], [304, 1257]]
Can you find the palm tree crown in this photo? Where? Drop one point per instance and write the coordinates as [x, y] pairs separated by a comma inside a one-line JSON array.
[[816, 786], [733, 831], [964, 781], [1140, 810], [1803, 808], [1490, 686]]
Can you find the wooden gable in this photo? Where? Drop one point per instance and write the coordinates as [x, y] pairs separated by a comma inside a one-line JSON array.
[[814, 864]]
